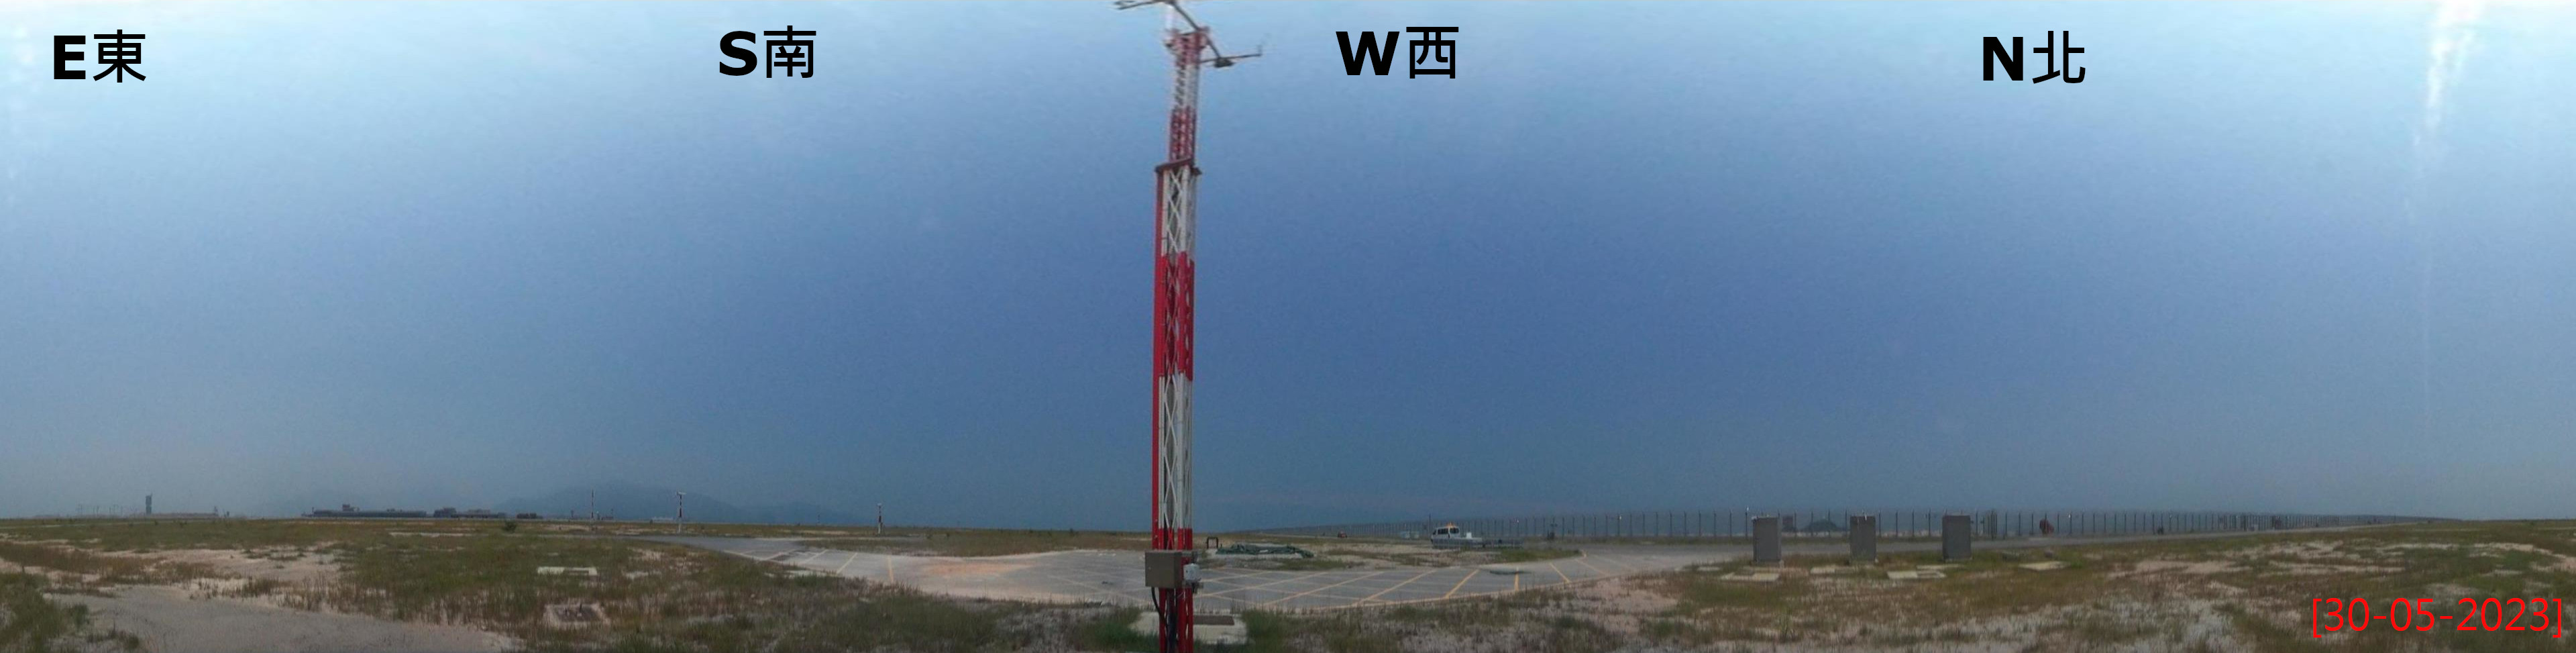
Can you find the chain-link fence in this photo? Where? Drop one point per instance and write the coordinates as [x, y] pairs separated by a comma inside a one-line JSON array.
[[1892, 524]]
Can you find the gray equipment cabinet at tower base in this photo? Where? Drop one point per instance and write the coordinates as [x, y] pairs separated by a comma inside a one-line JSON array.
[[1167, 569], [1766, 540], [1864, 539], [1954, 537]]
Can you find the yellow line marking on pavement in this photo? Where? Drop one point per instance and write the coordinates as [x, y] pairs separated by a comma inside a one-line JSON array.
[[1391, 588], [1516, 582], [889, 569], [1345, 581], [846, 559], [1595, 570], [1270, 583], [1462, 582], [1560, 572]]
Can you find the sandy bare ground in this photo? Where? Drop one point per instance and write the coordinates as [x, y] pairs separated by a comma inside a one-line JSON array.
[[171, 622], [295, 567], [201, 615]]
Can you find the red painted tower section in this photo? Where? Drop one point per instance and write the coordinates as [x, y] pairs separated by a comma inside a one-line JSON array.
[[1175, 271]]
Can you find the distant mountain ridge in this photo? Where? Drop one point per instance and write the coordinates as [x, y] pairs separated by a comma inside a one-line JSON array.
[[632, 501]]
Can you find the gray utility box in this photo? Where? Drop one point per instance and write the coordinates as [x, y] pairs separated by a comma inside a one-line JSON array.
[[1766, 540], [1164, 569], [1954, 537], [1864, 539]]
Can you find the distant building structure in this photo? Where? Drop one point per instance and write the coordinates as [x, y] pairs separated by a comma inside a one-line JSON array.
[[347, 511]]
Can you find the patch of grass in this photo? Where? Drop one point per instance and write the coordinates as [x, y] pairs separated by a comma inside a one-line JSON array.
[[1408, 558], [878, 618], [2268, 636], [108, 570], [257, 587], [2097, 628], [1411, 613], [1574, 634], [1674, 630], [1694, 591], [480, 578], [31, 623], [1384, 631], [1269, 631], [768, 530], [1114, 632], [658, 597], [1312, 564], [69, 560], [1534, 555], [1989, 588], [1341, 633], [1425, 556], [1522, 621]]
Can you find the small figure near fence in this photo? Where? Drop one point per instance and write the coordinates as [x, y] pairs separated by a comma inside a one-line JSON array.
[[2046, 529]]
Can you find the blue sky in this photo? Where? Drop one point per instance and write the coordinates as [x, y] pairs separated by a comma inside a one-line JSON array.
[[1636, 256]]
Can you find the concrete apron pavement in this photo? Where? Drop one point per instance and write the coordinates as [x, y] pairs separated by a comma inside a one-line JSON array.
[[1117, 577]]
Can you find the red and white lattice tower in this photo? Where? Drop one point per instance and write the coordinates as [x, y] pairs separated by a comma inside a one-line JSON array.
[[1175, 225], [1175, 270]]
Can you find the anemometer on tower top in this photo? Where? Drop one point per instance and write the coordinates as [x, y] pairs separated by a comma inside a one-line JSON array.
[[1174, 12]]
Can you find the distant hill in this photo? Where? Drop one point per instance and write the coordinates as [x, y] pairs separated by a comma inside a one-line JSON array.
[[631, 501]]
